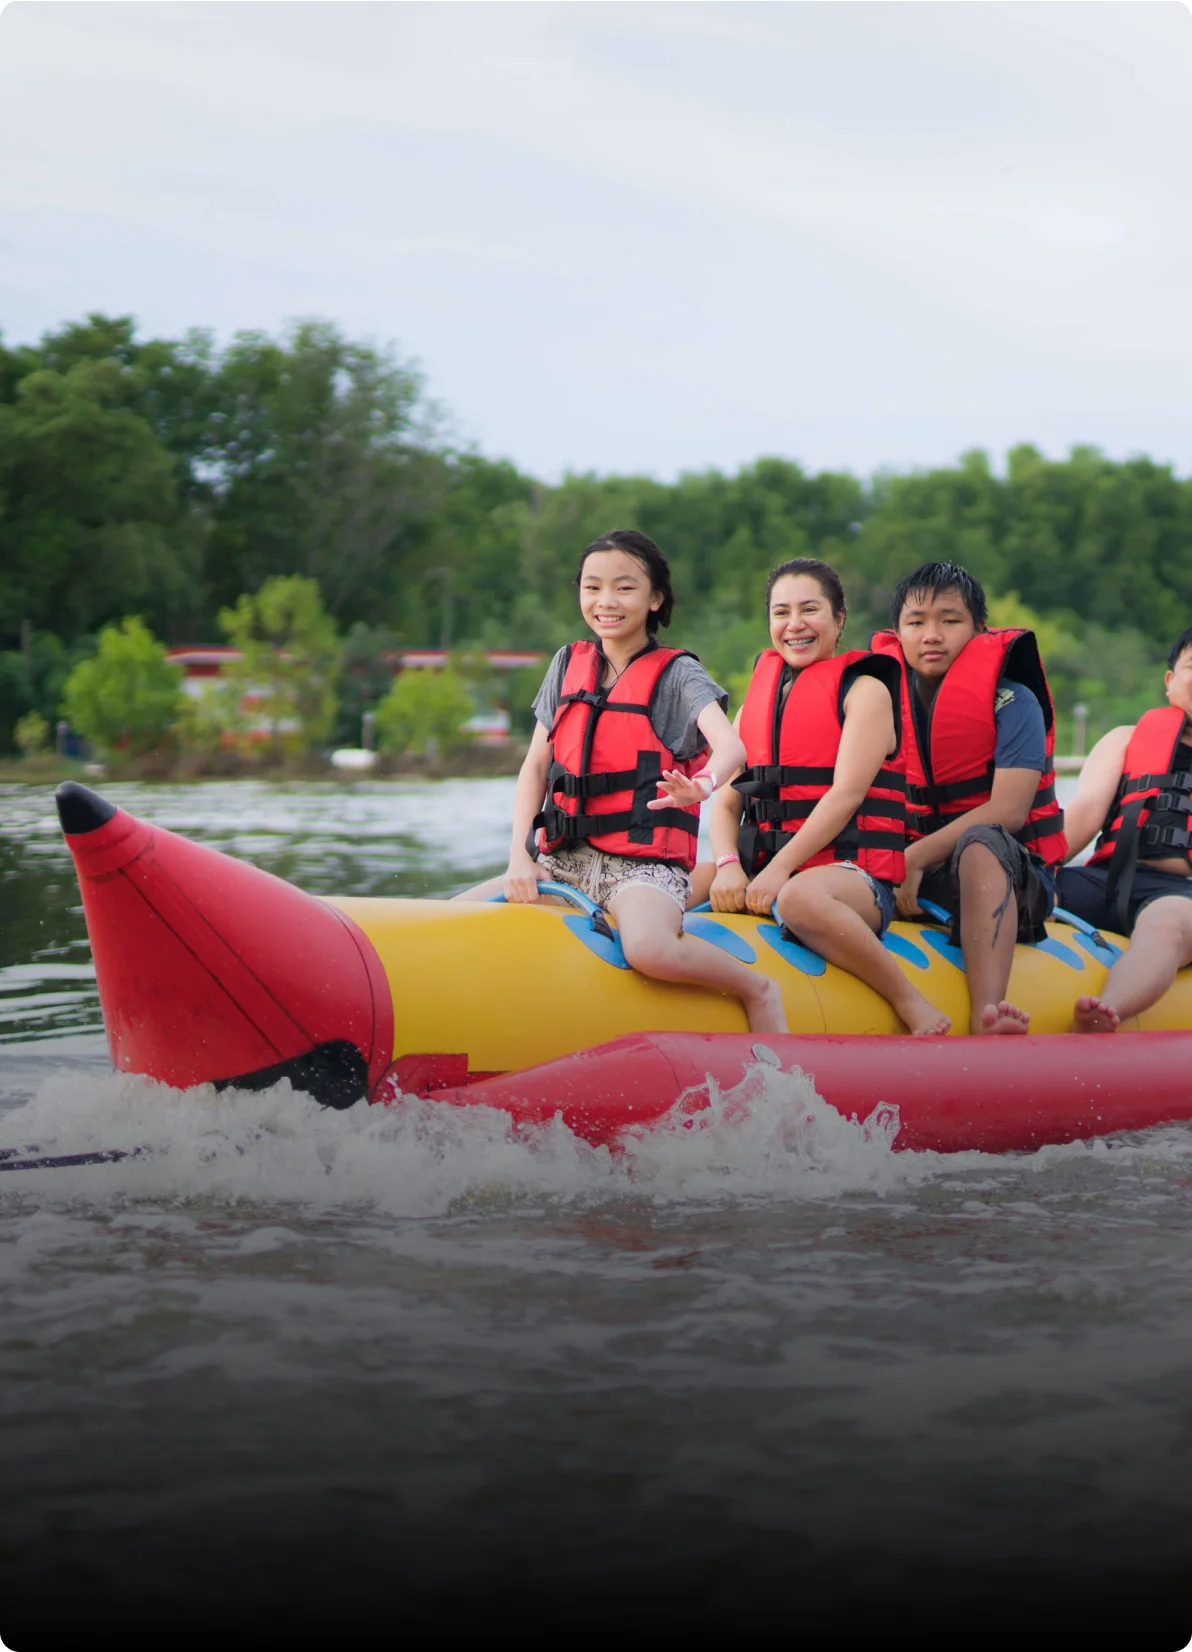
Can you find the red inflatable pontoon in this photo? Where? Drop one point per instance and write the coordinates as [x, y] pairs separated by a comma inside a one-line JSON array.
[[951, 1094]]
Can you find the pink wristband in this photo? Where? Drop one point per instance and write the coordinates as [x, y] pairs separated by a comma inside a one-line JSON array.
[[706, 774], [727, 860]]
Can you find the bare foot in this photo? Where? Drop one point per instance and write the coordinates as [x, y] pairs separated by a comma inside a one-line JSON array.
[[1095, 1016], [922, 1018], [766, 1011], [1003, 1018]]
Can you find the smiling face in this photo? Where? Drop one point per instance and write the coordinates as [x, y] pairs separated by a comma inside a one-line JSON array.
[[1178, 683], [933, 628], [616, 597], [803, 627]]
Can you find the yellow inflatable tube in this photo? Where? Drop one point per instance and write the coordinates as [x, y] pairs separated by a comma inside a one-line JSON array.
[[517, 985]]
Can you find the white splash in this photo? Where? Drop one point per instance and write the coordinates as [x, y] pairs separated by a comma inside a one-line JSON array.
[[771, 1136]]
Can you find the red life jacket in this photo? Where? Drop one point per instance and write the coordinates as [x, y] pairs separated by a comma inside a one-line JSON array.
[[956, 773], [605, 753], [791, 746], [1148, 817]]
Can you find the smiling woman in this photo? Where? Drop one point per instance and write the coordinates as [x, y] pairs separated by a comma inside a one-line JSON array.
[[814, 825]]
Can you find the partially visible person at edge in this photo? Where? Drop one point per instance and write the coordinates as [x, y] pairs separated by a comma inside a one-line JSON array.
[[824, 794], [618, 721], [985, 833], [1136, 788]]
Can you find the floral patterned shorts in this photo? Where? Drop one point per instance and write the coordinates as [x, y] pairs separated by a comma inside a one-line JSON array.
[[602, 877]]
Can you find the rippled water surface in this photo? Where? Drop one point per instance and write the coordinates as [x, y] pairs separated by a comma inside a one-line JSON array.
[[309, 1366]]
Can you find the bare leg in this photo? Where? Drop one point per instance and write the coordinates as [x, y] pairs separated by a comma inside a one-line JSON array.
[[650, 927], [1161, 944], [988, 941], [833, 910]]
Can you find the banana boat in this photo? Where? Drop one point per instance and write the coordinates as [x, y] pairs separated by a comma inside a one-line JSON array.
[[212, 971]]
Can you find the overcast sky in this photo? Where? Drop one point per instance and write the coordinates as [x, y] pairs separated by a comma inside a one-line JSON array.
[[639, 237]]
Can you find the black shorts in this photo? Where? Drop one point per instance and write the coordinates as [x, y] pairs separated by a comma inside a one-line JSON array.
[[1082, 892], [1027, 879]]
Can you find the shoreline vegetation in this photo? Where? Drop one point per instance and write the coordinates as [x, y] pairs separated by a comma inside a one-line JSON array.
[[298, 500], [472, 763]]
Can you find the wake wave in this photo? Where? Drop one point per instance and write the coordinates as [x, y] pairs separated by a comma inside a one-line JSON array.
[[771, 1136]]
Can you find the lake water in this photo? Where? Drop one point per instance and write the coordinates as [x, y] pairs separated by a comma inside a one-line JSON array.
[[323, 1371]]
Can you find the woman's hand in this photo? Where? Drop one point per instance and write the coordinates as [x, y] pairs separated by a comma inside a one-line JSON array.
[[906, 896], [727, 893], [765, 889], [681, 791], [521, 880]]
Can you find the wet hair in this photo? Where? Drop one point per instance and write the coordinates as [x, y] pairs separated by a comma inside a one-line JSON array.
[[1184, 640], [826, 578], [933, 579], [642, 550]]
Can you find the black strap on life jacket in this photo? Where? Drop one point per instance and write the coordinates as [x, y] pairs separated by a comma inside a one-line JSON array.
[[1166, 827], [932, 796], [760, 785], [763, 780], [639, 822]]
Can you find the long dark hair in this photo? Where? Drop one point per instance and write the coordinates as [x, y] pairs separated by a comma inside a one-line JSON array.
[[642, 550], [826, 578]]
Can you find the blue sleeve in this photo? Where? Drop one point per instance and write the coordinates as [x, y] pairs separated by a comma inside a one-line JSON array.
[[1021, 731]]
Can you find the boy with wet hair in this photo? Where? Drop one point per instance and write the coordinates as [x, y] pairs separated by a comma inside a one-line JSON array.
[[1136, 790], [984, 833]]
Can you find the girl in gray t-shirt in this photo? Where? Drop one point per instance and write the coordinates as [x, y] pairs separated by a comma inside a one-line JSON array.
[[640, 873]]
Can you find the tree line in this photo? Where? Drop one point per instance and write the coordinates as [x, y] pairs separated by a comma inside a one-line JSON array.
[[171, 478]]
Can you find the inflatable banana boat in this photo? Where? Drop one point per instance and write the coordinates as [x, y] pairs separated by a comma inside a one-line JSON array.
[[212, 971]]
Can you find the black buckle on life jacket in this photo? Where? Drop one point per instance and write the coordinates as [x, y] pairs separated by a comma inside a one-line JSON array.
[[1172, 803], [1164, 837], [769, 808], [760, 780], [566, 784]]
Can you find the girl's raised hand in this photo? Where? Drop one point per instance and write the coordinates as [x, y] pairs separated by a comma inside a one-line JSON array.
[[727, 893], [680, 789], [521, 881]]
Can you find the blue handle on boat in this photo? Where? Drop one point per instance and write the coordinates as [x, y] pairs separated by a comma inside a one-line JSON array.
[[567, 893], [936, 912], [704, 906]]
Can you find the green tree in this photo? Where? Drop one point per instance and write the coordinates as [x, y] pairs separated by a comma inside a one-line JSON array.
[[318, 450], [32, 734], [289, 660], [368, 659], [32, 679], [93, 520], [424, 711], [128, 697]]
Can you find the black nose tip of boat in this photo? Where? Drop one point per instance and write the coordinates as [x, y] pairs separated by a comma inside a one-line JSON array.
[[81, 810]]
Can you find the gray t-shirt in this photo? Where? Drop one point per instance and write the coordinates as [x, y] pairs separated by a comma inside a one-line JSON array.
[[683, 692]]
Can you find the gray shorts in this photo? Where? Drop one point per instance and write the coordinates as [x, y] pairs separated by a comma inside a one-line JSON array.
[[602, 877], [1028, 880]]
